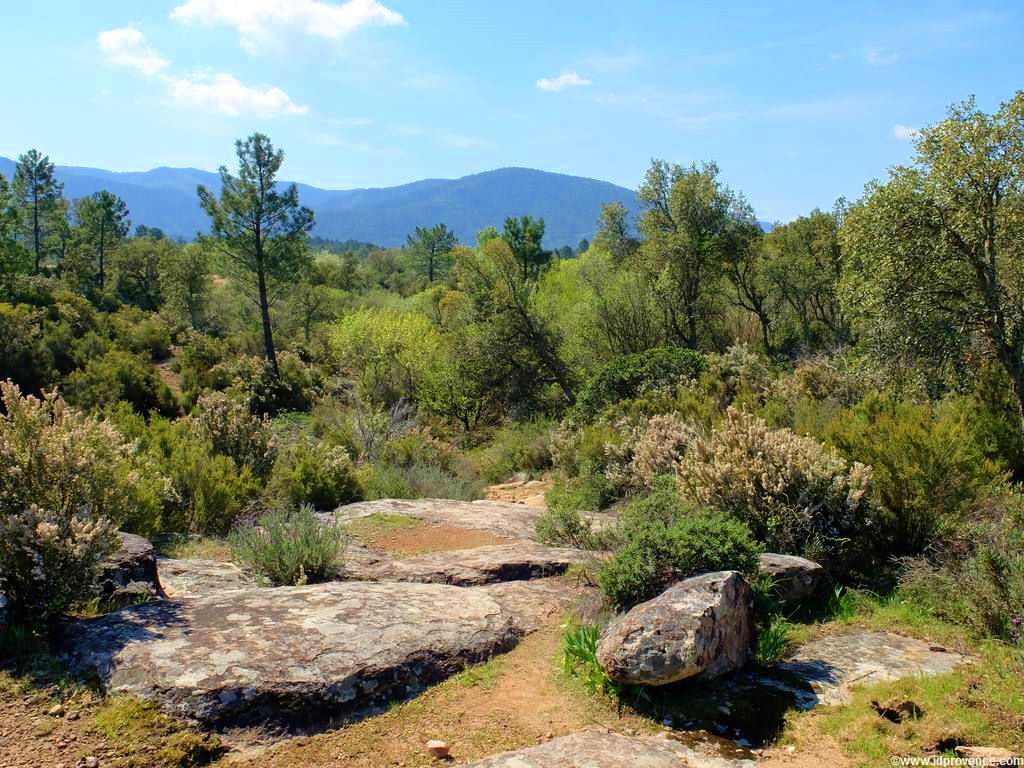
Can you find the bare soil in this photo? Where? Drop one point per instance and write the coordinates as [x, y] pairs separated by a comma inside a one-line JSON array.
[[421, 539]]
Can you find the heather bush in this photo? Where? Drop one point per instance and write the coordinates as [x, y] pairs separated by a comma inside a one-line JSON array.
[[318, 475], [663, 538], [67, 482], [289, 547], [235, 431], [649, 451], [795, 495], [516, 448]]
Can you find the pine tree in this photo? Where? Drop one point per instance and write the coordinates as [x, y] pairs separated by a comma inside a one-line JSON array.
[[38, 195]]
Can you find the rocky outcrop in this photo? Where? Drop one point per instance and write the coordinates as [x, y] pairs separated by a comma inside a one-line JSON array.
[[512, 521], [131, 571], [794, 578], [703, 626], [520, 561], [537, 603], [290, 655], [598, 748], [200, 578]]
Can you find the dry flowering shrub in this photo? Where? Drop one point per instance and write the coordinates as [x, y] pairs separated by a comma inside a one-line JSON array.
[[66, 482], [650, 450], [235, 431], [796, 495]]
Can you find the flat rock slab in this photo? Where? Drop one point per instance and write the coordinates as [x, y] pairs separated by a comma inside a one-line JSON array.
[[537, 603], [830, 665], [200, 578], [597, 748], [290, 656], [512, 521], [519, 561]]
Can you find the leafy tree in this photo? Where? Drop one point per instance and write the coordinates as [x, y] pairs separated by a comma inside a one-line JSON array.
[[103, 223], [744, 267], [583, 246], [14, 259], [137, 266], [37, 192], [154, 233], [524, 236], [935, 255], [185, 280], [614, 234], [431, 250], [802, 261], [260, 229], [689, 224]]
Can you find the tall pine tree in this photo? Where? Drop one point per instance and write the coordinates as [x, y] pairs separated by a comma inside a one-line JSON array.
[[38, 195]]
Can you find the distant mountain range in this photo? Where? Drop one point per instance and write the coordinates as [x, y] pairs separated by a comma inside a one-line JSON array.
[[570, 205]]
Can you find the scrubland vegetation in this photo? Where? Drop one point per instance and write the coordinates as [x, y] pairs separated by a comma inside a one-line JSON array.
[[847, 386]]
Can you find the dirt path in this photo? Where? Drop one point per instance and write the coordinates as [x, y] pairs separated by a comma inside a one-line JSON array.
[[529, 492], [516, 700]]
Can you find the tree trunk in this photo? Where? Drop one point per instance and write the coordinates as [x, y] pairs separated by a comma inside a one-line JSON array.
[[268, 336]]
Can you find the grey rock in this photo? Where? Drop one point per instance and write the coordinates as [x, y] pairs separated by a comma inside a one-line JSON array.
[[598, 748], [703, 626], [988, 756], [513, 521], [290, 655], [519, 561], [795, 578], [134, 562], [537, 603], [199, 578]]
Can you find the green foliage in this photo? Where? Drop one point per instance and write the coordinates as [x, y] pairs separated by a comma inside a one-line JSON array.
[[317, 475], [663, 538], [562, 525], [842, 604], [417, 481], [773, 640], [525, 447], [142, 333], [290, 547], [119, 376], [579, 658], [629, 376], [234, 431], [430, 250]]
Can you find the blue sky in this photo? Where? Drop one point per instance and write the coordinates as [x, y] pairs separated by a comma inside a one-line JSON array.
[[798, 102]]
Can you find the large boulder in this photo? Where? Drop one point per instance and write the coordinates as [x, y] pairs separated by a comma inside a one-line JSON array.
[[130, 573], [597, 748], [290, 655], [703, 626], [794, 578]]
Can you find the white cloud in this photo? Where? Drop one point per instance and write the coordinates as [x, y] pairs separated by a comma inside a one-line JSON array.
[[258, 21], [904, 132], [127, 47], [880, 58], [564, 80], [226, 94]]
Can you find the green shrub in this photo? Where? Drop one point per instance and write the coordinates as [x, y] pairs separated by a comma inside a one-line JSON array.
[[632, 375], [773, 640], [289, 547], [517, 448], [143, 333], [579, 658], [418, 446], [926, 468], [663, 539], [564, 526], [317, 475], [119, 376], [796, 496], [67, 482], [419, 481]]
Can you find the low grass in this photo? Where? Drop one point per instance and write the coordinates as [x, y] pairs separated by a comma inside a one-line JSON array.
[[484, 675], [190, 547], [138, 727], [380, 524]]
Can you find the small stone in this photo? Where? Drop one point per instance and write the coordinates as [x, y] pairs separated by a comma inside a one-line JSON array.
[[937, 648], [73, 715], [57, 710], [549, 735], [790, 749], [91, 762], [990, 756], [438, 749]]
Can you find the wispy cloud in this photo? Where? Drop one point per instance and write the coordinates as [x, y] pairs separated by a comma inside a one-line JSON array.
[[219, 92], [127, 47], [260, 21], [225, 94], [564, 80], [878, 57], [904, 132]]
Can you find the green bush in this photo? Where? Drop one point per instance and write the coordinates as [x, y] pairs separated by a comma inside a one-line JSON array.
[[318, 475], [562, 525], [235, 431], [517, 448], [119, 376], [143, 333], [632, 375], [289, 547], [419, 481], [665, 539]]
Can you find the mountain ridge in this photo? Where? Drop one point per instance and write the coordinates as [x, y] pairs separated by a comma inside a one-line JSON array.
[[165, 197]]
